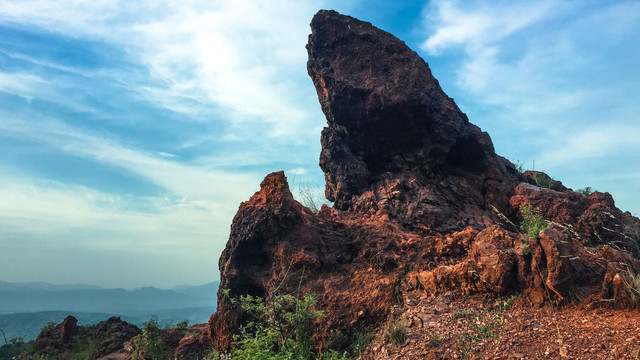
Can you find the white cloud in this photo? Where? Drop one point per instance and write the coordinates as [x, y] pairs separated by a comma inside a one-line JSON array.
[[247, 57], [178, 178], [596, 142], [239, 61], [81, 227], [481, 23], [21, 84], [531, 58], [556, 80]]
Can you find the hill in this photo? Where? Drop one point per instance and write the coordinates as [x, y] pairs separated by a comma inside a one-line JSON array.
[[27, 307]]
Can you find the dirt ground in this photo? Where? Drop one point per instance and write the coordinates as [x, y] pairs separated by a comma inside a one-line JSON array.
[[484, 327]]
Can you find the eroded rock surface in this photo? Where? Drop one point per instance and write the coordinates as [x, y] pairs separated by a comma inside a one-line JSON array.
[[423, 205]]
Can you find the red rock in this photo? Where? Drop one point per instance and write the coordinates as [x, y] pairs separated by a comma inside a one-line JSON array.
[[54, 341], [113, 334], [195, 344], [68, 328], [110, 336], [422, 204]]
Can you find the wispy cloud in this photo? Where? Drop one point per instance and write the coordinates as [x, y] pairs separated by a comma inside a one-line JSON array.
[[554, 81], [593, 143], [177, 178], [247, 57], [481, 23], [234, 70], [83, 228], [21, 84]]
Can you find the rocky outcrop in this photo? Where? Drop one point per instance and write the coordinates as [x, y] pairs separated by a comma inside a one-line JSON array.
[[393, 131], [115, 339], [56, 340], [196, 343], [110, 336], [422, 205]]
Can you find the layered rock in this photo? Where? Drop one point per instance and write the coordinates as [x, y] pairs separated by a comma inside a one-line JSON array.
[[422, 205]]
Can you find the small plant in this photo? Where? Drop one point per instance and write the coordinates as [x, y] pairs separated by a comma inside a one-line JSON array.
[[182, 325], [435, 340], [15, 347], [587, 190], [281, 329], [462, 314], [396, 332], [543, 180], [308, 194], [519, 165], [359, 341], [507, 304], [635, 282], [50, 326], [213, 355], [532, 222], [482, 328], [309, 197], [148, 345], [467, 351]]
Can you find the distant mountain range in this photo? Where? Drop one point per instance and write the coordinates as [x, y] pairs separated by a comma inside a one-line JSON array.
[[35, 286], [27, 307]]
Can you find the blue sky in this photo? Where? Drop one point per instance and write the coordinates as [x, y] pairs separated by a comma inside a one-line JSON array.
[[130, 131]]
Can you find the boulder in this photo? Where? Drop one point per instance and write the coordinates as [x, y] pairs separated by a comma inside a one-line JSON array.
[[422, 205]]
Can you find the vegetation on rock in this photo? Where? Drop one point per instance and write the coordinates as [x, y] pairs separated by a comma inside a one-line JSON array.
[[280, 329], [532, 221]]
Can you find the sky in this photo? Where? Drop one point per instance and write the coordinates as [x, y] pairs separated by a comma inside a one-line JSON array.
[[130, 131]]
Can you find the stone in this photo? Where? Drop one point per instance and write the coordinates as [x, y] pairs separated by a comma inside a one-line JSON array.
[[422, 205]]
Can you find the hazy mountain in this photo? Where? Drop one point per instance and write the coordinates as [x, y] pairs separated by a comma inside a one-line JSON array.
[[27, 307], [35, 286], [32, 297], [209, 290], [30, 324]]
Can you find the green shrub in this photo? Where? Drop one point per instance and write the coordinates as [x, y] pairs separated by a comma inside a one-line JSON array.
[[15, 347], [532, 222], [148, 345], [213, 355], [50, 326], [359, 342], [519, 165], [281, 329], [396, 332], [182, 325], [435, 340], [461, 314], [544, 180], [587, 190], [635, 283]]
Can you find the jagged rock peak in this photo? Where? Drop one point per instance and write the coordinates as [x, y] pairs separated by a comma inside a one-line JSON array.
[[273, 189], [385, 110]]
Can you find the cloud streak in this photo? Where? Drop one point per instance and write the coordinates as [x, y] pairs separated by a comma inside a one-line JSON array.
[[546, 91], [244, 56]]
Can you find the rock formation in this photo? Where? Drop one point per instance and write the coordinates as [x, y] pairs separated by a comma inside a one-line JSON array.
[[423, 205], [114, 339], [110, 336]]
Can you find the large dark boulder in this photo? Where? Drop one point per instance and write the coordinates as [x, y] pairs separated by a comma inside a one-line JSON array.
[[423, 205]]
